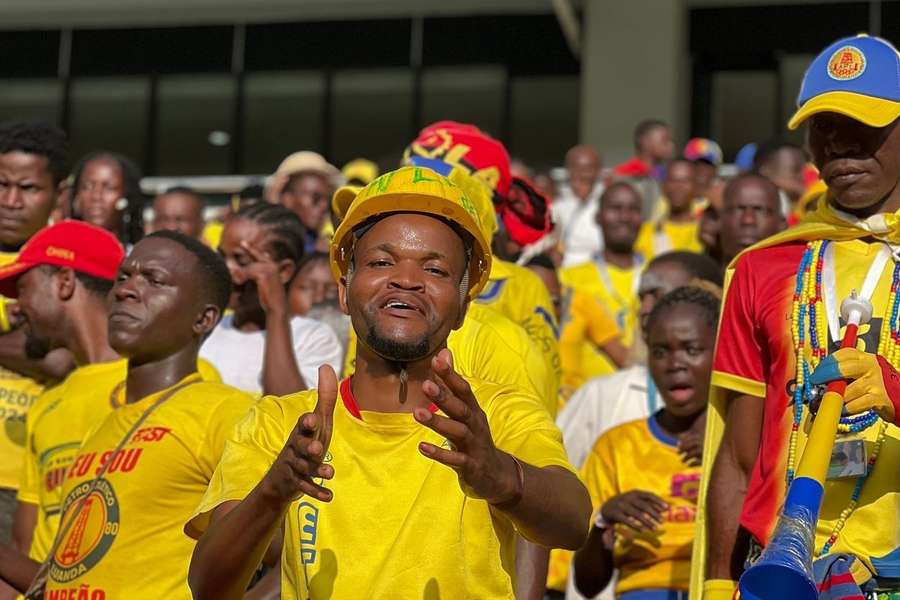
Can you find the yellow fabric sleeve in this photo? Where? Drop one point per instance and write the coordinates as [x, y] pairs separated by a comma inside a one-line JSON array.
[[29, 489], [588, 321], [522, 427], [249, 451]]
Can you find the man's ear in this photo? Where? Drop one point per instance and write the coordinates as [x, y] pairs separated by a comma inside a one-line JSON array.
[[463, 309], [342, 295], [65, 282], [286, 270], [206, 320]]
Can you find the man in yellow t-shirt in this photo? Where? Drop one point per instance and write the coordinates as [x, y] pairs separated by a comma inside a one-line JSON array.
[[678, 229], [601, 290], [61, 279], [64, 274], [362, 472], [120, 530], [33, 159]]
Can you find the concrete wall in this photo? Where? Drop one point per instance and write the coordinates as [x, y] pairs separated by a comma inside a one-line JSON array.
[[634, 66]]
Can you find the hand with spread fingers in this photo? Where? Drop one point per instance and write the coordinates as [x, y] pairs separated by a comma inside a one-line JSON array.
[[640, 510], [266, 273], [484, 471], [301, 462], [875, 383]]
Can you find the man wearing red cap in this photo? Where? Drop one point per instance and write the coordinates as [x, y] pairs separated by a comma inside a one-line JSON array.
[[61, 279]]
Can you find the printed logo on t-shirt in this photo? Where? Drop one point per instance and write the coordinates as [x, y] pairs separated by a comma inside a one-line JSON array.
[[91, 527]]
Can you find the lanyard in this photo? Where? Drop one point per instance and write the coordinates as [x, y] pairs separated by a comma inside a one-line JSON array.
[[829, 286], [651, 394], [606, 280]]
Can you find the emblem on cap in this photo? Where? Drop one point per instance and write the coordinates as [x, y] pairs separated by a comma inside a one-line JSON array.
[[846, 63]]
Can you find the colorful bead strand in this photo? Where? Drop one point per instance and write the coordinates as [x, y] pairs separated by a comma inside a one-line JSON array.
[[810, 346]]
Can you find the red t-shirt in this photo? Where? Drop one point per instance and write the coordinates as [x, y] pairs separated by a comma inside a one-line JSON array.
[[755, 355], [633, 167]]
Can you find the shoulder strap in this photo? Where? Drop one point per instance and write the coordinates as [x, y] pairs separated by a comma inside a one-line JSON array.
[[38, 585]]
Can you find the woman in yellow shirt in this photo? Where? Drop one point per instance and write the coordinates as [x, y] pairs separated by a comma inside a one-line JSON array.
[[643, 489]]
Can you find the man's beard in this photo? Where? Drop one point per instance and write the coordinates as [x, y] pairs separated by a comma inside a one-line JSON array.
[[394, 350], [620, 246], [36, 347]]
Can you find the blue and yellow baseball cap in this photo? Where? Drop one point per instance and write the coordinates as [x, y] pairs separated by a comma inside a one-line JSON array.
[[858, 77]]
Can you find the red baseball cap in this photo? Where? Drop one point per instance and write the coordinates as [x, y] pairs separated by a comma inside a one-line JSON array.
[[75, 244], [466, 146]]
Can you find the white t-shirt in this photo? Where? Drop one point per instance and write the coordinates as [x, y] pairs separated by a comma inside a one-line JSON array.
[[603, 403], [576, 225], [238, 355]]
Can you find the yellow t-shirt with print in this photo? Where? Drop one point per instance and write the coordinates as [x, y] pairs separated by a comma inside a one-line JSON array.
[[657, 238], [56, 426], [490, 347], [596, 313], [127, 539], [17, 394], [638, 455], [521, 296], [401, 532]]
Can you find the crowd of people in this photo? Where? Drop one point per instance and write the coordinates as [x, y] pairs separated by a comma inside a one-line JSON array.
[[459, 377]]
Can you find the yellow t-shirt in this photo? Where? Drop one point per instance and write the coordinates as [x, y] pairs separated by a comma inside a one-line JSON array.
[[17, 394], [521, 296], [490, 347], [127, 541], [406, 531], [658, 238], [56, 426], [212, 234], [638, 455], [597, 313]]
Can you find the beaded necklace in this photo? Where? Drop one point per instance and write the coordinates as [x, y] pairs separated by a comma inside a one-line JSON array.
[[809, 338]]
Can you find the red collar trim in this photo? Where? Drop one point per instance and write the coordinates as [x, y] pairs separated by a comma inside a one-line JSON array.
[[350, 401]]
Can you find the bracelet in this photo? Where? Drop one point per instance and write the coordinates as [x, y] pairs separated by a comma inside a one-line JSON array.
[[520, 491]]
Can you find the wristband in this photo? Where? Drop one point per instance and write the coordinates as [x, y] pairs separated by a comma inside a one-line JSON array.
[[600, 522], [719, 589]]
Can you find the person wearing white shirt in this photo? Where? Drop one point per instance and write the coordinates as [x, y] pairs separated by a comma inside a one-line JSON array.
[[259, 347], [238, 355], [575, 208]]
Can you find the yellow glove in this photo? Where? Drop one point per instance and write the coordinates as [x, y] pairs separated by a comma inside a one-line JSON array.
[[720, 589], [875, 385]]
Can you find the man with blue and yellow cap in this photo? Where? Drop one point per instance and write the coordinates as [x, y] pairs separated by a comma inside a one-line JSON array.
[[778, 340], [405, 481]]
